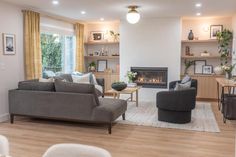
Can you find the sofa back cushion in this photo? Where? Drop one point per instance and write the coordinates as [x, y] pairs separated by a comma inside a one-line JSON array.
[[62, 86], [36, 85]]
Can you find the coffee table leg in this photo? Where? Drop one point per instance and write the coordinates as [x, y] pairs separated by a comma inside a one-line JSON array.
[[114, 95], [137, 98], [131, 96]]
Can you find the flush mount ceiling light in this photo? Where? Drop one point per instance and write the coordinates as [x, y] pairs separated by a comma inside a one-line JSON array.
[[55, 2], [133, 15], [198, 14], [83, 12], [198, 5]]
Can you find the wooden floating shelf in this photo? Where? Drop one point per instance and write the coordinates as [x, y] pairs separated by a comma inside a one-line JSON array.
[[102, 57], [200, 41], [101, 43], [201, 57]]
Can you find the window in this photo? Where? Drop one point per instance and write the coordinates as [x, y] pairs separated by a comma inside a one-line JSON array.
[[58, 52], [58, 45]]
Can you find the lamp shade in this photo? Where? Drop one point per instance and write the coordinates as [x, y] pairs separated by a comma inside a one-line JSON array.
[[133, 16]]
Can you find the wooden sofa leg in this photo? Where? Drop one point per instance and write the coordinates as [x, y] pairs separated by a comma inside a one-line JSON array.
[[123, 116], [109, 128], [12, 118]]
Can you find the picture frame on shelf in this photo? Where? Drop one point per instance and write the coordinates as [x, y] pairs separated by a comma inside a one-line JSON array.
[[198, 64], [214, 29], [9, 44], [101, 65], [97, 36], [207, 69]]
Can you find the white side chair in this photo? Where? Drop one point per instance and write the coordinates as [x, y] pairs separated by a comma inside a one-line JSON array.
[[4, 145], [75, 150]]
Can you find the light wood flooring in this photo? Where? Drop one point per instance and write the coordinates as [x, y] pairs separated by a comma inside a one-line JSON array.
[[31, 138]]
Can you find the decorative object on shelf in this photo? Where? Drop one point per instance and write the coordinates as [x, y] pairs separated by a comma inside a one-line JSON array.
[[228, 70], [9, 46], [115, 36], [132, 85], [187, 51], [207, 69], [218, 70], [214, 30], [118, 86], [102, 65], [96, 53], [198, 64], [187, 64], [224, 38], [205, 54], [97, 36], [131, 75], [133, 15], [91, 54], [108, 70], [115, 54], [92, 67], [191, 35]]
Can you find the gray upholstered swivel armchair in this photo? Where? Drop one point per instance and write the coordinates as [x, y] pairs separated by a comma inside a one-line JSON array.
[[176, 106]]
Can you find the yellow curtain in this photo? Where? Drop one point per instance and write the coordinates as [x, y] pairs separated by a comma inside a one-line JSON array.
[[79, 33], [32, 49]]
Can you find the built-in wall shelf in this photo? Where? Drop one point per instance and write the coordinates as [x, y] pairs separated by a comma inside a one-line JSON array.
[[202, 57], [102, 57], [101, 43], [200, 41], [203, 75]]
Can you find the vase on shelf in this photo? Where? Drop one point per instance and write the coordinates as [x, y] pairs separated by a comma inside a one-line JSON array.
[[218, 70], [191, 35]]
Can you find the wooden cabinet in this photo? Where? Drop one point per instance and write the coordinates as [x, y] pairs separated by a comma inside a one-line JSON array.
[[109, 78], [207, 86]]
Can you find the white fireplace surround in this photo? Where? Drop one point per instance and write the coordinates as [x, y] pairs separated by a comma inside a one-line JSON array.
[[151, 43]]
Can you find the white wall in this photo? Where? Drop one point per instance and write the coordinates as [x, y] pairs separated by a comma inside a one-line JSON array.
[[151, 43], [11, 67]]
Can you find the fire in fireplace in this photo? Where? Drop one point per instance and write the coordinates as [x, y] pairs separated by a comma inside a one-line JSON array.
[[151, 77]]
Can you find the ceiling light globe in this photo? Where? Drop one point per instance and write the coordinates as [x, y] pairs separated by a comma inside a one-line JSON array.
[[133, 17]]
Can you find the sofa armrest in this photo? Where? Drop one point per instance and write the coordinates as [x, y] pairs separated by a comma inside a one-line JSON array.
[[173, 83], [177, 100]]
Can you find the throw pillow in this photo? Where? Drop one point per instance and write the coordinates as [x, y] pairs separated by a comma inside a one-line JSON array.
[[81, 79], [76, 88], [46, 80], [181, 86], [186, 79]]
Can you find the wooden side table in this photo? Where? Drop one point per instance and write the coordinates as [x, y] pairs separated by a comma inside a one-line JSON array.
[[128, 90]]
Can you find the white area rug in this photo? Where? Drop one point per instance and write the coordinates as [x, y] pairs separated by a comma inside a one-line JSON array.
[[203, 118]]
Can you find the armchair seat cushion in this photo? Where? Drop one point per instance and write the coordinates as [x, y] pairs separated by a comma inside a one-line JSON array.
[[109, 109]]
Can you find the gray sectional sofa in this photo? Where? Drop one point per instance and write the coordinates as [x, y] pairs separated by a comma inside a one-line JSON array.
[[64, 101]]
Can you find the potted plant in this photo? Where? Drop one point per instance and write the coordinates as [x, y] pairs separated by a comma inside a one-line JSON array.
[[115, 36], [92, 66], [224, 39], [187, 64], [131, 75], [228, 70]]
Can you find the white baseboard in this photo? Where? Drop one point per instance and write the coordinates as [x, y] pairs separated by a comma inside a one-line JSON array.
[[4, 117]]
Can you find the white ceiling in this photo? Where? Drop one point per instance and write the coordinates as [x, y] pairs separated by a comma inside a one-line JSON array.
[[117, 9]]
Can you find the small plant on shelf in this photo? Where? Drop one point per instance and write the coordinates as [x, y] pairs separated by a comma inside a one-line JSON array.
[[187, 64], [224, 39], [115, 36], [92, 66]]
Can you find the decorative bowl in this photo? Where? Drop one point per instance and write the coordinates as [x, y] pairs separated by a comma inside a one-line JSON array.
[[118, 86]]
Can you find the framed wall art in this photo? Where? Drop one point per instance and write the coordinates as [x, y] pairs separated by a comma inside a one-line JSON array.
[[207, 69], [9, 45], [214, 29], [97, 36], [102, 65], [198, 64]]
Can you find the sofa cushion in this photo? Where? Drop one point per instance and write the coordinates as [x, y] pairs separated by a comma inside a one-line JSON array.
[[36, 85], [71, 87], [81, 78], [186, 79], [109, 109], [181, 86]]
